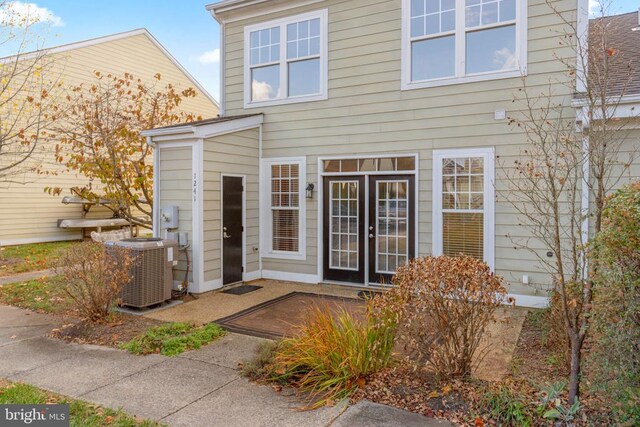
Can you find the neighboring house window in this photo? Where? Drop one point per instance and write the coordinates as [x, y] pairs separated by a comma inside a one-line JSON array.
[[463, 217], [284, 222], [286, 60], [456, 41]]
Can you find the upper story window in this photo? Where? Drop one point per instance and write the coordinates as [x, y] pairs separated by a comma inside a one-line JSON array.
[[286, 60], [458, 41]]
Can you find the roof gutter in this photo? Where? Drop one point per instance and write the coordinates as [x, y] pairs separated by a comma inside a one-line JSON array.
[[229, 5], [626, 99], [167, 131]]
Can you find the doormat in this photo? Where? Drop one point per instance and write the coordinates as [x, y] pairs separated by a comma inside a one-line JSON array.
[[242, 289], [282, 316]]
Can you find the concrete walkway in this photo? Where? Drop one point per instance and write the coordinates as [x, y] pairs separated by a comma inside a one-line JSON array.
[[200, 387], [25, 277]]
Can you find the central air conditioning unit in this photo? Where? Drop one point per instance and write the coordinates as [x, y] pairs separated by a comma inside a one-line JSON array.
[[152, 272]]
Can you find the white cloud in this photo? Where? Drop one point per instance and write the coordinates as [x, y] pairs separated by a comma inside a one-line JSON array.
[[19, 14], [209, 57], [595, 8]]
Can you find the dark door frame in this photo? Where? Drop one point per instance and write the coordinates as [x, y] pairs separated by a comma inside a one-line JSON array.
[[243, 225], [381, 278], [350, 276], [370, 278]]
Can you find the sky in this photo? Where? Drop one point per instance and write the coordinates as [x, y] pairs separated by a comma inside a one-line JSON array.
[[183, 27]]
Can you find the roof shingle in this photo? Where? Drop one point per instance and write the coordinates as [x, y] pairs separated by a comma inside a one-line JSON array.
[[614, 62]]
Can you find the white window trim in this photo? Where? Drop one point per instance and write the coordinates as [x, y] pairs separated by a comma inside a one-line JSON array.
[[323, 15], [266, 224], [521, 46], [488, 154]]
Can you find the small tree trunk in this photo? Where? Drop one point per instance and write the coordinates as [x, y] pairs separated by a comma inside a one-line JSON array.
[[574, 376]]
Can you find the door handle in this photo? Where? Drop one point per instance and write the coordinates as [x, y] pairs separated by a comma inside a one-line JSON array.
[[371, 236], [225, 235]]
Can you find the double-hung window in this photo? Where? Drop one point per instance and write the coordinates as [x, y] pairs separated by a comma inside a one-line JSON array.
[[286, 60], [457, 41], [463, 205], [283, 223]]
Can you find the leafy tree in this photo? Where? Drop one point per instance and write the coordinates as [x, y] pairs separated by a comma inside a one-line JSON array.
[[100, 138], [27, 93]]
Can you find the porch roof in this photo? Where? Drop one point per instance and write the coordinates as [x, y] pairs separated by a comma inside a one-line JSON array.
[[204, 128]]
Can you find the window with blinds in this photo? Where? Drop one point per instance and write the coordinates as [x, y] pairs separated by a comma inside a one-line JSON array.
[[285, 207], [463, 206]]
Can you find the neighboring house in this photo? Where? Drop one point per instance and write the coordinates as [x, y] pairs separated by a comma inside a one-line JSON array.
[[621, 34], [358, 134], [27, 214]]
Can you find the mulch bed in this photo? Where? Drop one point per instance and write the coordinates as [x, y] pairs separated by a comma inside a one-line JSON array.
[[404, 388], [122, 328], [531, 359]]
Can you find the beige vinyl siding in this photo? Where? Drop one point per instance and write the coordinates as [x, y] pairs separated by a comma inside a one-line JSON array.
[[368, 113], [26, 212], [175, 190], [236, 154]]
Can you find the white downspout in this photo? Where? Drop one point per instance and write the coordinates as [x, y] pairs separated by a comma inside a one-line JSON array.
[[261, 197], [156, 188], [586, 191], [222, 69]]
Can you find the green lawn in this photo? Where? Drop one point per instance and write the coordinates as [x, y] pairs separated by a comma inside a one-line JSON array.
[[43, 295], [82, 414], [173, 339], [33, 257]]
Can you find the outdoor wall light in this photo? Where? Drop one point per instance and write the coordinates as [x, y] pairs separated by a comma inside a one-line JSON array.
[[309, 190]]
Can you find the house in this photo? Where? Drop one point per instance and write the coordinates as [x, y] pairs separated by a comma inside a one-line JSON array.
[[619, 78], [27, 214], [355, 135]]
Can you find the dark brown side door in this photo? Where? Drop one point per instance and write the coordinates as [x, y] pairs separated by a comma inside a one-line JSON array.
[[391, 231], [344, 228], [232, 229]]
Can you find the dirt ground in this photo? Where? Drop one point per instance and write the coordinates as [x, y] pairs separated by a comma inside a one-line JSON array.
[[122, 328]]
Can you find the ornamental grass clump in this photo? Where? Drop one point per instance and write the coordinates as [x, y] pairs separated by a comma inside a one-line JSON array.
[[447, 303], [334, 352]]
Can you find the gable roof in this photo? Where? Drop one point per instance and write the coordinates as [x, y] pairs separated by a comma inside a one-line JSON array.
[[117, 36], [621, 35]]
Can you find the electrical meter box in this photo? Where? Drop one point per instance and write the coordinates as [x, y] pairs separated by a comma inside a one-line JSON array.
[[169, 217]]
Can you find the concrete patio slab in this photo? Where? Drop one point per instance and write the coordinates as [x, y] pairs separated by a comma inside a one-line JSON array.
[[34, 353], [102, 364], [369, 414], [228, 351], [274, 409], [163, 389]]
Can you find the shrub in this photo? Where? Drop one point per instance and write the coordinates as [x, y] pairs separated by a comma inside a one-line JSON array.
[[448, 302], [173, 339], [334, 352], [615, 359], [94, 276]]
